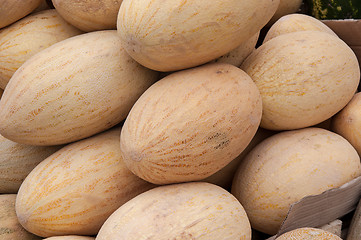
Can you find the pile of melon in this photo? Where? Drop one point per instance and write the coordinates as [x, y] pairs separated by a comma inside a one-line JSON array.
[[150, 119]]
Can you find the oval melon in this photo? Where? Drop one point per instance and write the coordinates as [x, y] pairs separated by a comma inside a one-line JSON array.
[[191, 124], [201, 211], [178, 34], [72, 90], [73, 191], [288, 166], [304, 78]]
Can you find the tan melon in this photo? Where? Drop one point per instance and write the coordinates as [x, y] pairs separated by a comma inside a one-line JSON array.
[[174, 35], [347, 122], [29, 36], [89, 15], [285, 7], [72, 237], [71, 90], [17, 161], [201, 211], [308, 234], [191, 124], [304, 78], [294, 23], [13, 10], [239, 54], [73, 191], [10, 228], [288, 166]]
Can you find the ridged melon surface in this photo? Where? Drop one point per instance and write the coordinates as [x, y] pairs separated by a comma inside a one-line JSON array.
[[29, 36], [191, 124], [74, 191], [17, 161], [304, 78], [289, 166], [179, 34], [72, 90], [195, 210]]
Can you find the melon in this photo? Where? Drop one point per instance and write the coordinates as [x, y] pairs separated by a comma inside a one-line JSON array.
[[178, 34], [196, 210], [74, 190], [71, 90], [190, 124], [304, 78], [288, 166]]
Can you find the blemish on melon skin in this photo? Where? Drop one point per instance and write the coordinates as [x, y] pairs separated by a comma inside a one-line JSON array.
[[137, 157]]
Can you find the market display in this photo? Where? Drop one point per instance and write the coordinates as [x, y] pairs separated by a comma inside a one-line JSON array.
[[182, 119]]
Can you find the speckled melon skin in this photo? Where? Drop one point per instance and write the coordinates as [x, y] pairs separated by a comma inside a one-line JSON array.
[[288, 166], [73, 191], [13, 10], [16, 162], [29, 36], [185, 211], [178, 34], [72, 90], [304, 78], [308, 234], [191, 124], [10, 228], [89, 15]]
